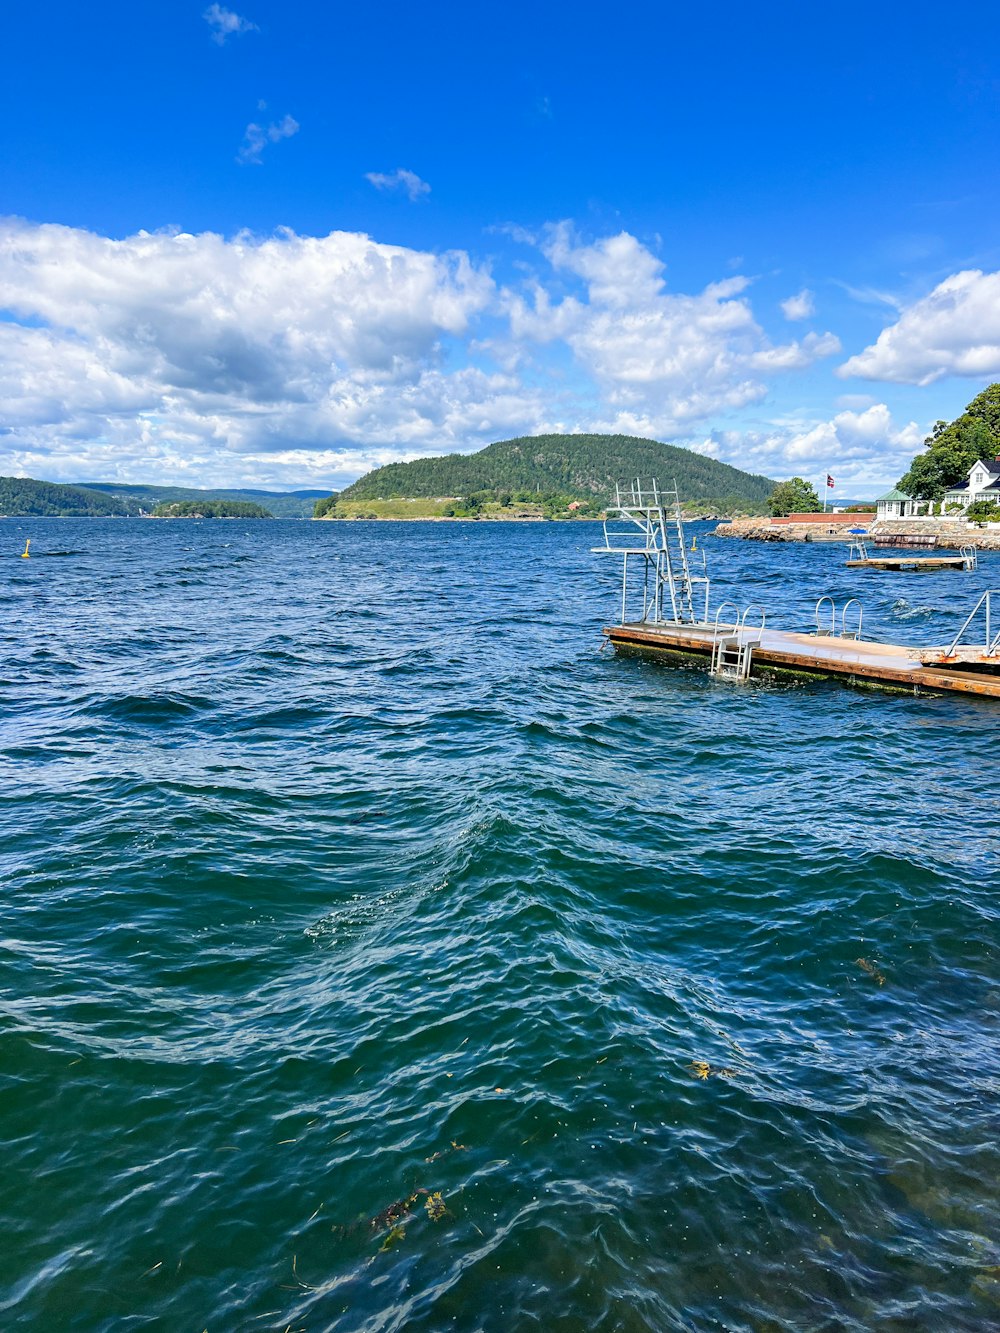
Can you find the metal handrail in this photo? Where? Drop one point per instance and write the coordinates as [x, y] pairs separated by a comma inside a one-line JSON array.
[[833, 616], [992, 644], [843, 619], [754, 606]]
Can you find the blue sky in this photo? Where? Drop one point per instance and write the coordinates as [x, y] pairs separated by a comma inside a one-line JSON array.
[[279, 244]]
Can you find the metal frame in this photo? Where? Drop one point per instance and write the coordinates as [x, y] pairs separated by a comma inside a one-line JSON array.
[[652, 531], [992, 646]]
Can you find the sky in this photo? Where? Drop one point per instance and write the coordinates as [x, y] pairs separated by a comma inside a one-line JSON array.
[[277, 245]]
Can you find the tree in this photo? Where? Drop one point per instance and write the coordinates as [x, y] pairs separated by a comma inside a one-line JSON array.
[[794, 497], [325, 506], [952, 448]]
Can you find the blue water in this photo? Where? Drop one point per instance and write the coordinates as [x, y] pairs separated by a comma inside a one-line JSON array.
[[366, 933]]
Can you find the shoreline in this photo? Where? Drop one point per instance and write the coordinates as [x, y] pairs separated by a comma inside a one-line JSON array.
[[948, 532]]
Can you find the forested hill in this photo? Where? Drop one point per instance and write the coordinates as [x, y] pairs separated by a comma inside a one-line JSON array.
[[281, 504], [585, 466], [23, 497]]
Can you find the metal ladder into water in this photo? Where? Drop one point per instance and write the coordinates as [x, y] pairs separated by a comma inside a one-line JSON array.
[[732, 649]]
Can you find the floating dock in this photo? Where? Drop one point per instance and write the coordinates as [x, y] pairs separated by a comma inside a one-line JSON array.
[[858, 558], [671, 596], [854, 661], [908, 564]]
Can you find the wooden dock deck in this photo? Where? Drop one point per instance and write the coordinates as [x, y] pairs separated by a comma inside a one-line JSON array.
[[909, 563], [854, 661]]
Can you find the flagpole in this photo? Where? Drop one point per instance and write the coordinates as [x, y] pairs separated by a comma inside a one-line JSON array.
[[825, 488]]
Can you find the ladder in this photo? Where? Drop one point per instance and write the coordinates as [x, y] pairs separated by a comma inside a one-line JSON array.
[[645, 524], [732, 649]]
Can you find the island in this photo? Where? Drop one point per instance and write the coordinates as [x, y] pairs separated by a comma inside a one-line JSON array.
[[537, 477], [210, 509]]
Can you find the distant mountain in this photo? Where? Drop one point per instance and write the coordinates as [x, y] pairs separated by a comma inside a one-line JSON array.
[[20, 497], [581, 466], [282, 504]]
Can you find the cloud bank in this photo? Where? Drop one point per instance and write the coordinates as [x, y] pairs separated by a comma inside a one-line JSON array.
[[954, 330], [289, 359]]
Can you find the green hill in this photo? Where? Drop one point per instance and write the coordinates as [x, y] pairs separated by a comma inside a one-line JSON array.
[[583, 467], [21, 497], [282, 504]]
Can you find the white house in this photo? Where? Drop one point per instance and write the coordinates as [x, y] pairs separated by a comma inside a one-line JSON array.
[[897, 504], [982, 483]]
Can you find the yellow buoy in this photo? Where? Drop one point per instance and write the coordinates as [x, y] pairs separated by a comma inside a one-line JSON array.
[[26, 554], [694, 543]]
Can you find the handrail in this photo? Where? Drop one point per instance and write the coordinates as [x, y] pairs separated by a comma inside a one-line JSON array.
[[992, 644], [833, 616], [718, 612], [843, 619], [754, 606]]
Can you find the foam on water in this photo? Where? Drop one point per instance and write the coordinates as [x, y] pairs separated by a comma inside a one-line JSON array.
[[341, 871]]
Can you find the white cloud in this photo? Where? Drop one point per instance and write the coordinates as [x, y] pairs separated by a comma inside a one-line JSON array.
[[224, 23], [954, 330], [257, 137], [400, 179], [294, 358], [195, 347], [800, 306], [663, 361], [865, 450]]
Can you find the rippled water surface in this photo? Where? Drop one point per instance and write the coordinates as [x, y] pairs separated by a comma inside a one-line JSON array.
[[366, 934]]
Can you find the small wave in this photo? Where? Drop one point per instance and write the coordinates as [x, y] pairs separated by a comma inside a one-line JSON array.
[[903, 610]]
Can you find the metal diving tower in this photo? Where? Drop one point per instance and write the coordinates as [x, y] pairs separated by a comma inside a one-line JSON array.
[[645, 526]]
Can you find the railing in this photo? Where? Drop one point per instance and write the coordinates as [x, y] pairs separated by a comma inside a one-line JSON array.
[[845, 633], [992, 645], [970, 560], [763, 620], [832, 631]]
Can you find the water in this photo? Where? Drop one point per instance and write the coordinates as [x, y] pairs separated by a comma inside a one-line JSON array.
[[338, 865]]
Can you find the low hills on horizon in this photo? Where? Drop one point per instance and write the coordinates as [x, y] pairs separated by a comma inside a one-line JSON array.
[[23, 497], [540, 476], [560, 475]]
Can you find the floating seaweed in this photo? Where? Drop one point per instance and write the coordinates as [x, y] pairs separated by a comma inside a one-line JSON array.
[[391, 1216], [435, 1206], [397, 1234], [444, 1152], [702, 1069], [871, 969]]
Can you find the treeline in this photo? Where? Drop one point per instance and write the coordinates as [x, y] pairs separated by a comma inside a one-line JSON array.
[[210, 509], [141, 499], [22, 497], [953, 447], [583, 467]]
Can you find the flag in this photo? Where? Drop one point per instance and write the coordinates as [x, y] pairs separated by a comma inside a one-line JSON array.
[[829, 481]]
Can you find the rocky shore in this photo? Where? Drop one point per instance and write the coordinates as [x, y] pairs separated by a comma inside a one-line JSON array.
[[949, 532]]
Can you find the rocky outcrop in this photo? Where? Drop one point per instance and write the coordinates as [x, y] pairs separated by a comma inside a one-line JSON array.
[[949, 532]]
